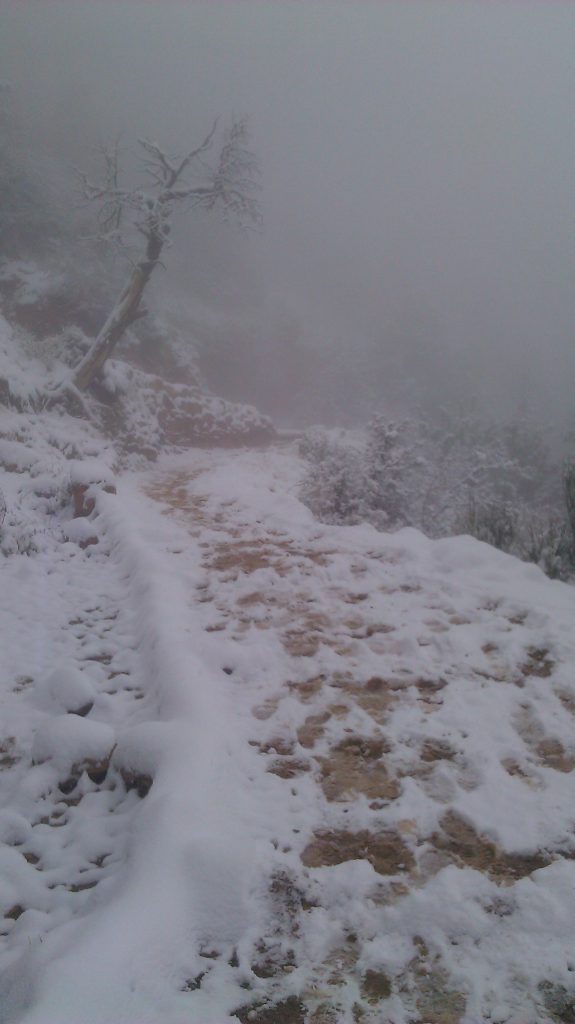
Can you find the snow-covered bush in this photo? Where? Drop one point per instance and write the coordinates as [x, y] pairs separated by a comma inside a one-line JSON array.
[[493, 521], [544, 538], [393, 465], [145, 413], [19, 535], [455, 475], [337, 488], [569, 490], [371, 477]]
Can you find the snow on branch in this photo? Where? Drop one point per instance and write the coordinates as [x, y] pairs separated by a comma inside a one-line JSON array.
[[232, 184]]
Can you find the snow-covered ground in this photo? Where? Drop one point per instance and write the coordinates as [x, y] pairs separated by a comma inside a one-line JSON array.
[[311, 773]]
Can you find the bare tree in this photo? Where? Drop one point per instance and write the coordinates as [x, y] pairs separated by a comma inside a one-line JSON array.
[[172, 181]]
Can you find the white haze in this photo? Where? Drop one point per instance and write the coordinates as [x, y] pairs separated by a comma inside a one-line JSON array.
[[418, 164]]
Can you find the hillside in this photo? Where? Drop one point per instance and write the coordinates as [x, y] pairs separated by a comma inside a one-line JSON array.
[[262, 769]]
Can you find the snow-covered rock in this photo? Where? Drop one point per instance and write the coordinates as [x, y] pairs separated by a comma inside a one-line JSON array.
[[73, 745], [66, 689], [91, 471], [139, 752], [14, 829], [148, 414], [81, 531], [86, 479]]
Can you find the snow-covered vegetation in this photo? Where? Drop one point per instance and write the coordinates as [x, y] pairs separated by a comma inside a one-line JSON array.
[[497, 482]]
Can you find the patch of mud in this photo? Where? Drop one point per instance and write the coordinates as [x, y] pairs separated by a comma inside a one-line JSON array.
[[467, 848], [426, 988], [552, 753], [522, 771], [375, 986], [308, 689], [567, 700], [264, 711], [289, 767], [547, 749], [386, 851], [173, 491], [282, 745], [436, 750], [8, 753], [300, 643], [272, 960], [436, 1001], [538, 663], [355, 766], [376, 697], [559, 1001], [247, 556], [288, 1011], [244, 556], [312, 729]]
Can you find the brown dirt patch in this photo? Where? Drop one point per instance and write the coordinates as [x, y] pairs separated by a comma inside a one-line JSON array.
[[300, 643], [173, 490], [376, 696], [289, 767], [256, 597], [264, 711], [549, 750], [520, 771], [325, 1013], [467, 848], [553, 754], [289, 1011], [436, 750], [430, 686], [375, 986], [8, 754], [567, 700], [355, 766], [538, 663], [307, 689], [244, 556], [312, 729], [277, 745], [490, 648], [436, 1002], [15, 912], [386, 851]]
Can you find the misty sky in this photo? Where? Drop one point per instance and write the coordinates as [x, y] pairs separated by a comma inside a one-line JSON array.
[[418, 159]]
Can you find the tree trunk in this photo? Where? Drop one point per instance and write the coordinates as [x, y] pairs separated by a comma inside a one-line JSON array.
[[123, 314]]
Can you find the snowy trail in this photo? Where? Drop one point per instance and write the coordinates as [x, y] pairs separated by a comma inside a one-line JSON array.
[[362, 754], [65, 841]]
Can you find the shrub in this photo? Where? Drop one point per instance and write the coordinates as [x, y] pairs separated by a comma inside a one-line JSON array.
[[457, 475]]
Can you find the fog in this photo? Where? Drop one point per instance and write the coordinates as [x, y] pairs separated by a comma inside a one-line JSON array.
[[417, 168]]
